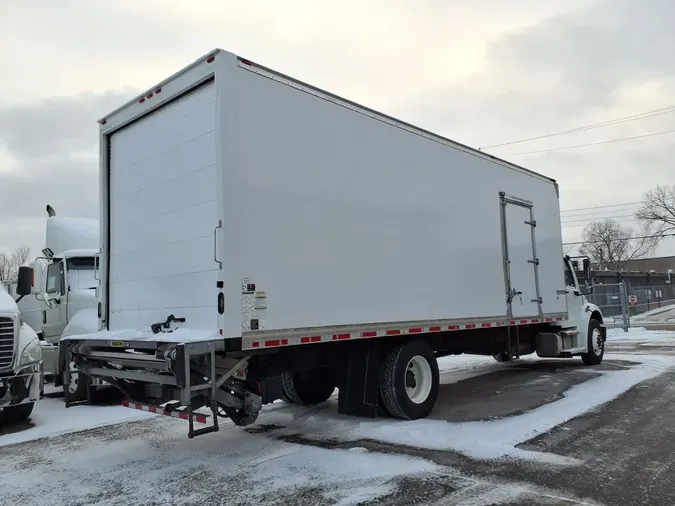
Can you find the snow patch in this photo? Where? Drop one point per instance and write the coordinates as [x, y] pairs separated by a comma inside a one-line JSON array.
[[483, 439]]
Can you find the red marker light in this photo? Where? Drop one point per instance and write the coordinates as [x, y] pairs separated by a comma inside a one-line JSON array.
[[141, 100], [246, 62], [158, 90], [149, 95], [103, 121], [210, 59]]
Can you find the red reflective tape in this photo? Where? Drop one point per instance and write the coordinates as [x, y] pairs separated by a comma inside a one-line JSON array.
[[272, 342], [304, 339], [549, 319], [315, 339], [340, 337], [513, 322], [434, 329], [138, 406], [558, 318], [183, 415], [535, 321], [416, 330], [200, 418], [125, 404], [523, 321], [255, 344], [470, 325], [370, 333], [393, 332], [486, 325], [152, 409], [453, 327]]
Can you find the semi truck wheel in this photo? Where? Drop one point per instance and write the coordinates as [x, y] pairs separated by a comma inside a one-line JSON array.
[[308, 387], [77, 388], [18, 413], [410, 381], [596, 346]]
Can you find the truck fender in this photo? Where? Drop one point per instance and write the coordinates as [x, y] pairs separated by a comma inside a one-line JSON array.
[[591, 312]]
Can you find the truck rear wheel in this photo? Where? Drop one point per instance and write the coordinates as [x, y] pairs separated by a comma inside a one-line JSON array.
[[308, 387], [410, 381], [596, 345], [17, 413]]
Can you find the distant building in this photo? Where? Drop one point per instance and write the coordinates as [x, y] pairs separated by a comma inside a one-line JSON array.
[[657, 264]]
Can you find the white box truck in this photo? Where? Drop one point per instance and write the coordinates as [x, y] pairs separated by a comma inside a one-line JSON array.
[[264, 239]]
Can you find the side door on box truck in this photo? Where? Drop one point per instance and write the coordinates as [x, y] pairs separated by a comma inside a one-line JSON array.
[[520, 260]]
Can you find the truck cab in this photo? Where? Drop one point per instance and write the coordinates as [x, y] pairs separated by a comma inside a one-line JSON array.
[[21, 376], [65, 286]]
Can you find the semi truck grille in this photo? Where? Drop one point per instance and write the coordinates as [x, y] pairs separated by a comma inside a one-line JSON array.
[[6, 342]]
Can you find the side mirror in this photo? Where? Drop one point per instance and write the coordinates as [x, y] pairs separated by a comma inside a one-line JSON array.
[[24, 282], [587, 270], [586, 289]]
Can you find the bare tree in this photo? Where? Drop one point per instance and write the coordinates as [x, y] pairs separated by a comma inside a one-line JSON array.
[[658, 210], [10, 262], [610, 246]]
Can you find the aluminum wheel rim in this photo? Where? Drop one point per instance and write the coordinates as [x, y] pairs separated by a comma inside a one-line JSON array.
[[597, 341], [418, 379]]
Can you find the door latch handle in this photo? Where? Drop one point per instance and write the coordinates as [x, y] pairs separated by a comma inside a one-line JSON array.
[[215, 244]]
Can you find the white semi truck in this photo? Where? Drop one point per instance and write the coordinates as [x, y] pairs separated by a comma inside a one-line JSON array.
[[20, 355], [264, 239], [64, 293]]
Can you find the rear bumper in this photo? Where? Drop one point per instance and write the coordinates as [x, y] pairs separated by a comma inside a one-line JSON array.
[[23, 387]]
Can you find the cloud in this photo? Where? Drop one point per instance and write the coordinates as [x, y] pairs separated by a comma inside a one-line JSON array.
[[480, 73], [51, 147]]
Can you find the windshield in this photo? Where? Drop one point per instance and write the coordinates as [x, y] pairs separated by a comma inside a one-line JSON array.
[[81, 273]]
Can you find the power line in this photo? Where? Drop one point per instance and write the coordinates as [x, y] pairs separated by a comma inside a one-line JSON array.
[[632, 117], [620, 139], [601, 207], [588, 221], [617, 240]]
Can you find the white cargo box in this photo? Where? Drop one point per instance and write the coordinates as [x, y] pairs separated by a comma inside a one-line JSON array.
[[311, 212]]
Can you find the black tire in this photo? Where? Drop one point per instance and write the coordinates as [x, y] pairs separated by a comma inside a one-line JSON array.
[[308, 387], [16, 414], [80, 384], [502, 356], [593, 357], [396, 373]]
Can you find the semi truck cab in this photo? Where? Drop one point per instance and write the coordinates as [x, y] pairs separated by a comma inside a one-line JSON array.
[[21, 376]]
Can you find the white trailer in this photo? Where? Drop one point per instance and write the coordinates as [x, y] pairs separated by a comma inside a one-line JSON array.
[[262, 238]]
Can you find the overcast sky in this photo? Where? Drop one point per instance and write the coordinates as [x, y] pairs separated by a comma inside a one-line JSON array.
[[481, 72]]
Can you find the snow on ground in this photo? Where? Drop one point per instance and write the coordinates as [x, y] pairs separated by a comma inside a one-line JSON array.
[[481, 439], [155, 463], [51, 418], [635, 334], [660, 314]]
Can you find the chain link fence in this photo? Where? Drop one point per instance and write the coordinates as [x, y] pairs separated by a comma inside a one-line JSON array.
[[620, 301]]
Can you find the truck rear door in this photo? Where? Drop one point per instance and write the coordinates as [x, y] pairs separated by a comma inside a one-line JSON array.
[[162, 214]]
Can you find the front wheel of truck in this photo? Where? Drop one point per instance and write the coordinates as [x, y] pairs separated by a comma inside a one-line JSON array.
[[596, 344], [16, 414]]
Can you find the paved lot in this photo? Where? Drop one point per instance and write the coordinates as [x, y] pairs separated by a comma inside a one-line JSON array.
[[532, 432]]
